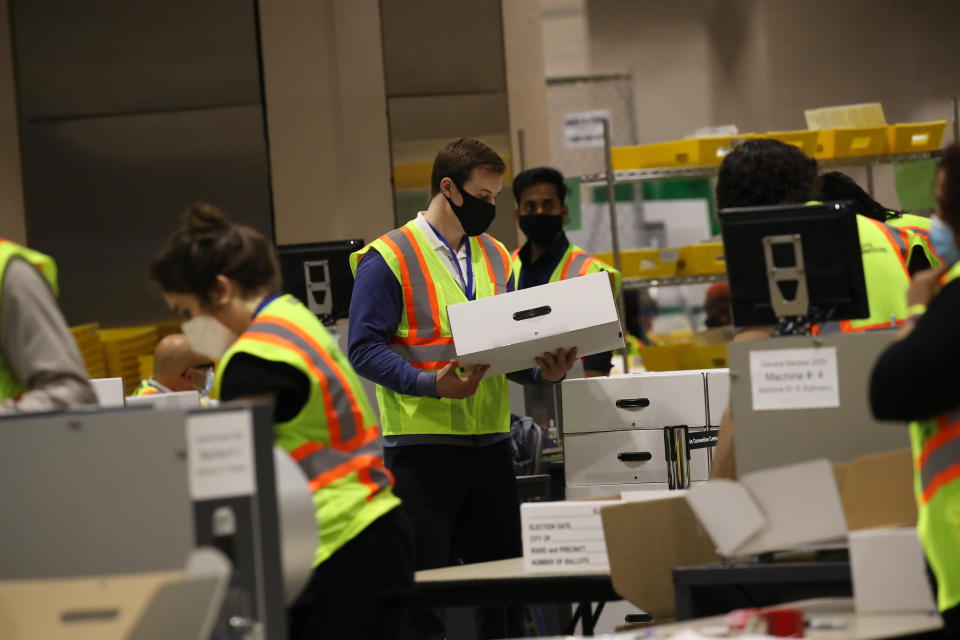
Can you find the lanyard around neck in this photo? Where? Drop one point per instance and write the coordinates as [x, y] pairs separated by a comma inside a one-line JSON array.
[[468, 281]]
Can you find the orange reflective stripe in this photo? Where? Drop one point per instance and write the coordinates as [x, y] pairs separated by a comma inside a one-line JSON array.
[[486, 259], [359, 436], [515, 254], [941, 479], [944, 434], [846, 326], [507, 262], [304, 450], [566, 267], [341, 471], [404, 282], [150, 392], [414, 341], [333, 420], [429, 366], [586, 265], [886, 232], [431, 287]]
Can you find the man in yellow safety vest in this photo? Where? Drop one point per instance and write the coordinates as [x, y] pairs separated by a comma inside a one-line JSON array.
[[446, 437]]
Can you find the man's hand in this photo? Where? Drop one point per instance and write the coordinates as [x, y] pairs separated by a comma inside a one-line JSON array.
[[449, 384], [554, 366], [924, 286]]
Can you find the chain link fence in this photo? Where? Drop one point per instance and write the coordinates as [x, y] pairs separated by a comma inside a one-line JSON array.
[[576, 105]]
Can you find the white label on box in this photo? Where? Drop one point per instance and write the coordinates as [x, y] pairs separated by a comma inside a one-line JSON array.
[[567, 538], [220, 455], [584, 129], [794, 379]]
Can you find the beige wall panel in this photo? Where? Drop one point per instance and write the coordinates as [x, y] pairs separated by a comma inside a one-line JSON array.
[[326, 119], [426, 52], [666, 47], [418, 118], [12, 221], [526, 83]]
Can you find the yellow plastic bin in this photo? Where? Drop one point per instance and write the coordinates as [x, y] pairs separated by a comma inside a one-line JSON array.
[[915, 137], [701, 259], [681, 357], [851, 143], [645, 263], [805, 140], [695, 152]]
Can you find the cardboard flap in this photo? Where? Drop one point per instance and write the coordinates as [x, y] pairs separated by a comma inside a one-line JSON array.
[[728, 513], [645, 541], [877, 491], [801, 504]]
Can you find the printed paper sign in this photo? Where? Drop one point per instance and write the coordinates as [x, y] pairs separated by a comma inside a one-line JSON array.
[[794, 379], [584, 129], [220, 455], [565, 539]]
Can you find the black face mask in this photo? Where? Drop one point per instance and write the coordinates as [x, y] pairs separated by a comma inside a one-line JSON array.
[[541, 228], [475, 215]]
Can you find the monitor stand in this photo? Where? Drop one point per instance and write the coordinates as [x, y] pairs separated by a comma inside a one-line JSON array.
[[788, 286]]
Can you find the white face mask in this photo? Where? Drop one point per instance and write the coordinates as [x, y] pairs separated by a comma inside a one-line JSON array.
[[208, 336]]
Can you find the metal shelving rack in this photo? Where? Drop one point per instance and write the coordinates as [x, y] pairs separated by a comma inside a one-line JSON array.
[[612, 178]]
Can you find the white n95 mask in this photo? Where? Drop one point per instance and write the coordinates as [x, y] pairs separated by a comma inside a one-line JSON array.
[[208, 336]]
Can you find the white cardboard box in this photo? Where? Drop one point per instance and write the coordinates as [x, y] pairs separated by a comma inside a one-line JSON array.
[[109, 391], [772, 510], [567, 536], [634, 401], [889, 571], [595, 458], [507, 332]]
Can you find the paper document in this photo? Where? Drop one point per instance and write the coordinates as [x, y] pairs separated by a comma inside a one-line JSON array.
[[846, 116], [794, 379]]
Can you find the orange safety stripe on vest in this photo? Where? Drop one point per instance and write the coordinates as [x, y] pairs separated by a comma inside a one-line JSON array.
[[431, 287], [939, 461], [315, 357], [150, 391], [566, 267], [324, 466], [404, 282], [486, 260], [586, 265], [900, 254]]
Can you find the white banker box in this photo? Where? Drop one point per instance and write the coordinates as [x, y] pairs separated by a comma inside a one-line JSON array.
[[509, 331]]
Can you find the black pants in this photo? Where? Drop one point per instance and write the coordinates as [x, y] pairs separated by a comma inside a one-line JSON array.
[[951, 617], [464, 507], [360, 591]]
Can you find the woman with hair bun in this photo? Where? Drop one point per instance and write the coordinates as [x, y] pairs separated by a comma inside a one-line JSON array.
[[224, 281]]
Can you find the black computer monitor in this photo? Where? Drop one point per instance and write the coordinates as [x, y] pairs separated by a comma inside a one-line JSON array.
[[832, 260], [319, 275]]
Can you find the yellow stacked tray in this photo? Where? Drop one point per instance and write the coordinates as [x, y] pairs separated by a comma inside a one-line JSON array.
[[122, 348], [645, 263], [146, 366], [701, 259], [87, 337], [805, 140], [695, 152], [168, 327], [915, 137], [680, 357], [851, 143]]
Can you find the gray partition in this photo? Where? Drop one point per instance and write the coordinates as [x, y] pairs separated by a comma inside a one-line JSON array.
[[766, 439], [100, 492]]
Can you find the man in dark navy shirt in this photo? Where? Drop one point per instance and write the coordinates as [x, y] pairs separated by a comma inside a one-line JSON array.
[[548, 256]]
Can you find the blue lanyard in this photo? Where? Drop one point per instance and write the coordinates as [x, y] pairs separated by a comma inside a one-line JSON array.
[[468, 281], [263, 304]]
